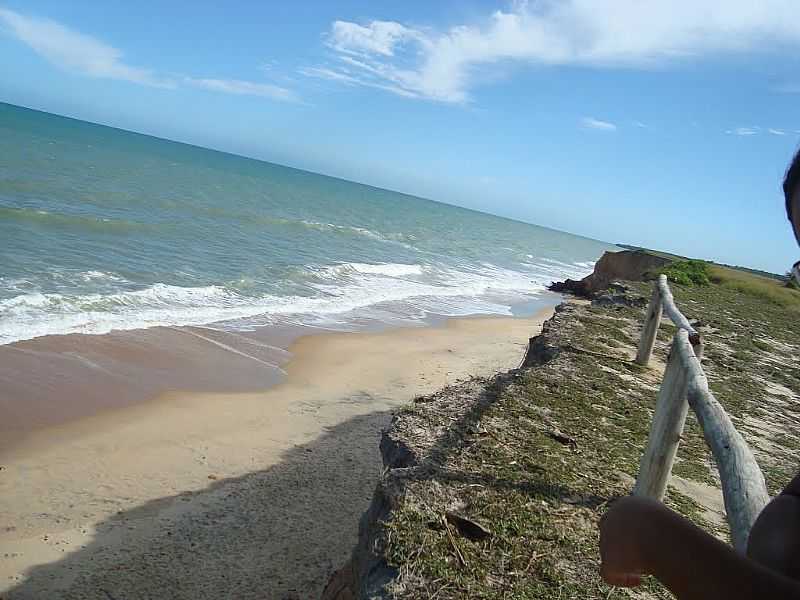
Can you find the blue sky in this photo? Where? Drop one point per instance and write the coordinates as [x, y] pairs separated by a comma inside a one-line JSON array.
[[665, 123]]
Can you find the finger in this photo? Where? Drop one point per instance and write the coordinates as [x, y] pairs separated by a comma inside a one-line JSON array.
[[627, 580], [619, 579]]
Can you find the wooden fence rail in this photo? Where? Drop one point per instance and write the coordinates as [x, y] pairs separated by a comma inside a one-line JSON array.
[[685, 385]]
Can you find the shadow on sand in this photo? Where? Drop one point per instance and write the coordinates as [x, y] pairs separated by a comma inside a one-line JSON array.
[[277, 533]]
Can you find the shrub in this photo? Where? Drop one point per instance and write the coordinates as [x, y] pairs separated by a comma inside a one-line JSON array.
[[688, 272]]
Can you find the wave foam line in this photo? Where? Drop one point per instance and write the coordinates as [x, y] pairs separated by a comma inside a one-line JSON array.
[[336, 290]]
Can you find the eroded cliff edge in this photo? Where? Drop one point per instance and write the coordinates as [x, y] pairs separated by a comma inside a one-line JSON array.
[[419, 449], [494, 487]]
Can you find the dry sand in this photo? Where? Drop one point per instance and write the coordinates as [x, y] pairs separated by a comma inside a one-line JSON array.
[[227, 495]]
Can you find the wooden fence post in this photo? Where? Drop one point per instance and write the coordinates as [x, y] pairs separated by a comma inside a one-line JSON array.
[[743, 487], [650, 331], [665, 431], [668, 302], [697, 345]]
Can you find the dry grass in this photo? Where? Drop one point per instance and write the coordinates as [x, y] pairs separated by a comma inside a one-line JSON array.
[[761, 288]]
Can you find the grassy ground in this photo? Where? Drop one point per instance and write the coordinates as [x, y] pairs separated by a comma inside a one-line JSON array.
[[536, 456], [752, 345], [762, 288]]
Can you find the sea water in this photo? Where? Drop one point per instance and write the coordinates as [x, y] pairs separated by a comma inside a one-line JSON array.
[[103, 229]]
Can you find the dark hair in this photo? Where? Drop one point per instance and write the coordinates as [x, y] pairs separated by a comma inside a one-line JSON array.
[[790, 183]]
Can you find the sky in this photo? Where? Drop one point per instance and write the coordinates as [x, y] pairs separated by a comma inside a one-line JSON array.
[[661, 123]]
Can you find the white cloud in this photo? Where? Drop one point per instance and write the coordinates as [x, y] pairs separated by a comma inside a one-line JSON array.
[[776, 131], [379, 37], [74, 51], [347, 77], [446, 65], [243, 88], [592, 123], [639, 124], [268, 65], [325, 73], [744, 131], [81, 53]]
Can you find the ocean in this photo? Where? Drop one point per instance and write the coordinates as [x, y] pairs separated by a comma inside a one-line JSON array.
[[104, 230]]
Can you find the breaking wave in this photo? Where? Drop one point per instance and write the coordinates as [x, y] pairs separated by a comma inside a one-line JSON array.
[[329, 292]]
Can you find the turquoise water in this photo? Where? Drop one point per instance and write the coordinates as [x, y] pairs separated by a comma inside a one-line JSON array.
[[102, 229]]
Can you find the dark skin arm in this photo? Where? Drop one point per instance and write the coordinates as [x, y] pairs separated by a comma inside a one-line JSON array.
[[640, 536], [775, 538]]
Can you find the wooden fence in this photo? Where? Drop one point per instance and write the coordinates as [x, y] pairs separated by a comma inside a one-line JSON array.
[[685, 385]]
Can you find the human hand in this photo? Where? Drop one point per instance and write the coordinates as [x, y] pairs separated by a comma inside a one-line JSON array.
[[623, 535]]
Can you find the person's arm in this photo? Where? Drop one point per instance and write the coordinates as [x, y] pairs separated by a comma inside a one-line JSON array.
[[643, 537], [775, 537], [793, 489]]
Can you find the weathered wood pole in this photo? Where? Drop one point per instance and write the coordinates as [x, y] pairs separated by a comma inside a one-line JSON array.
[[743, 486], [697, 345], [651, 322], [665, 430], [670, 308]]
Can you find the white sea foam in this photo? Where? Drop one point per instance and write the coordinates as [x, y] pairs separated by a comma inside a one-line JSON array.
[[345, 228], [587, 264], [388, 269], [99, 276], [393, 238], [411, 289]]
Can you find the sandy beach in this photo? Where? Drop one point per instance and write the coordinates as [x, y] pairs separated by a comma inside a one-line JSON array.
[[240, 494]]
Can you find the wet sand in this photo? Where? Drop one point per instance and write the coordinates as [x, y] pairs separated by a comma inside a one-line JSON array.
[[247, 494], [53, 380]]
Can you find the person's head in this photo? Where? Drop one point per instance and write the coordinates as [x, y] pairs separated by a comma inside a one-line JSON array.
[[791, 192]]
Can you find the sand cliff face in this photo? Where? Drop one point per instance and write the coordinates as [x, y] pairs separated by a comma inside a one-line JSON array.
[[628, 265], [413, 450], [407, 447], [410, 448]]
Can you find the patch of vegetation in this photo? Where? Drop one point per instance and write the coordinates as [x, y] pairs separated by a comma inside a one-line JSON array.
[[753, 339], [687, 272], [762, 346], [762, 288], [667, 255], [693, 460], [546, 450], [540, 497]]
